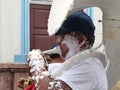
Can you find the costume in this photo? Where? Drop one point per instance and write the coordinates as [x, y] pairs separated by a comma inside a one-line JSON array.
[[87, 74]]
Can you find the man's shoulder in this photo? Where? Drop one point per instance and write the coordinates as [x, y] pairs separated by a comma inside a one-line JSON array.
[[90, 63]]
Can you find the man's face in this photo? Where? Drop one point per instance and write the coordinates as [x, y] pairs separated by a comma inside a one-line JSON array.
[[69, 45], [63, 47]]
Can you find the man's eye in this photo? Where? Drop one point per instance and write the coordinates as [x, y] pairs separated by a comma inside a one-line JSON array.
[[62, 36]]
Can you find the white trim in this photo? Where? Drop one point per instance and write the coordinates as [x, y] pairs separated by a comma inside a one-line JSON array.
[[44, 2]]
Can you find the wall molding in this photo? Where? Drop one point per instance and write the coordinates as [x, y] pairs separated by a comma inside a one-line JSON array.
[[45, 2], [24, 32]]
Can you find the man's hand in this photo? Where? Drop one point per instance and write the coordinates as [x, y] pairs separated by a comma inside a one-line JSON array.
[[20, 83], [23, 83]]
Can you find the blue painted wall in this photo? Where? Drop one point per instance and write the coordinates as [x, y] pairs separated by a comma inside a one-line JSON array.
[[24, 33]]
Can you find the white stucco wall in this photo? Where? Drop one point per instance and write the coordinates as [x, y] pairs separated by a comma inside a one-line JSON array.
[[10, 29]]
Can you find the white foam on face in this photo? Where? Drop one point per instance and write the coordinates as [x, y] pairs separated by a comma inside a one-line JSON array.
[[72, 44]]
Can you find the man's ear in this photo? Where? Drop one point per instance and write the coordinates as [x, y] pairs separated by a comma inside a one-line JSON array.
[[83, 40]]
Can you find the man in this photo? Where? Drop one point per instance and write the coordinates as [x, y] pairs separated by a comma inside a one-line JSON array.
[[75, 36]]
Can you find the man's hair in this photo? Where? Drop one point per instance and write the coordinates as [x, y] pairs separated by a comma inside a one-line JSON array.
[[90, 38]]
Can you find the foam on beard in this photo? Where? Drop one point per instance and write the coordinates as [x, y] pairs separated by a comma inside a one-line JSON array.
[[73, 45]]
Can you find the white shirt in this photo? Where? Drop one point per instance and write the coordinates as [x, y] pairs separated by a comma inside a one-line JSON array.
[[53, 66], [88, 74]]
